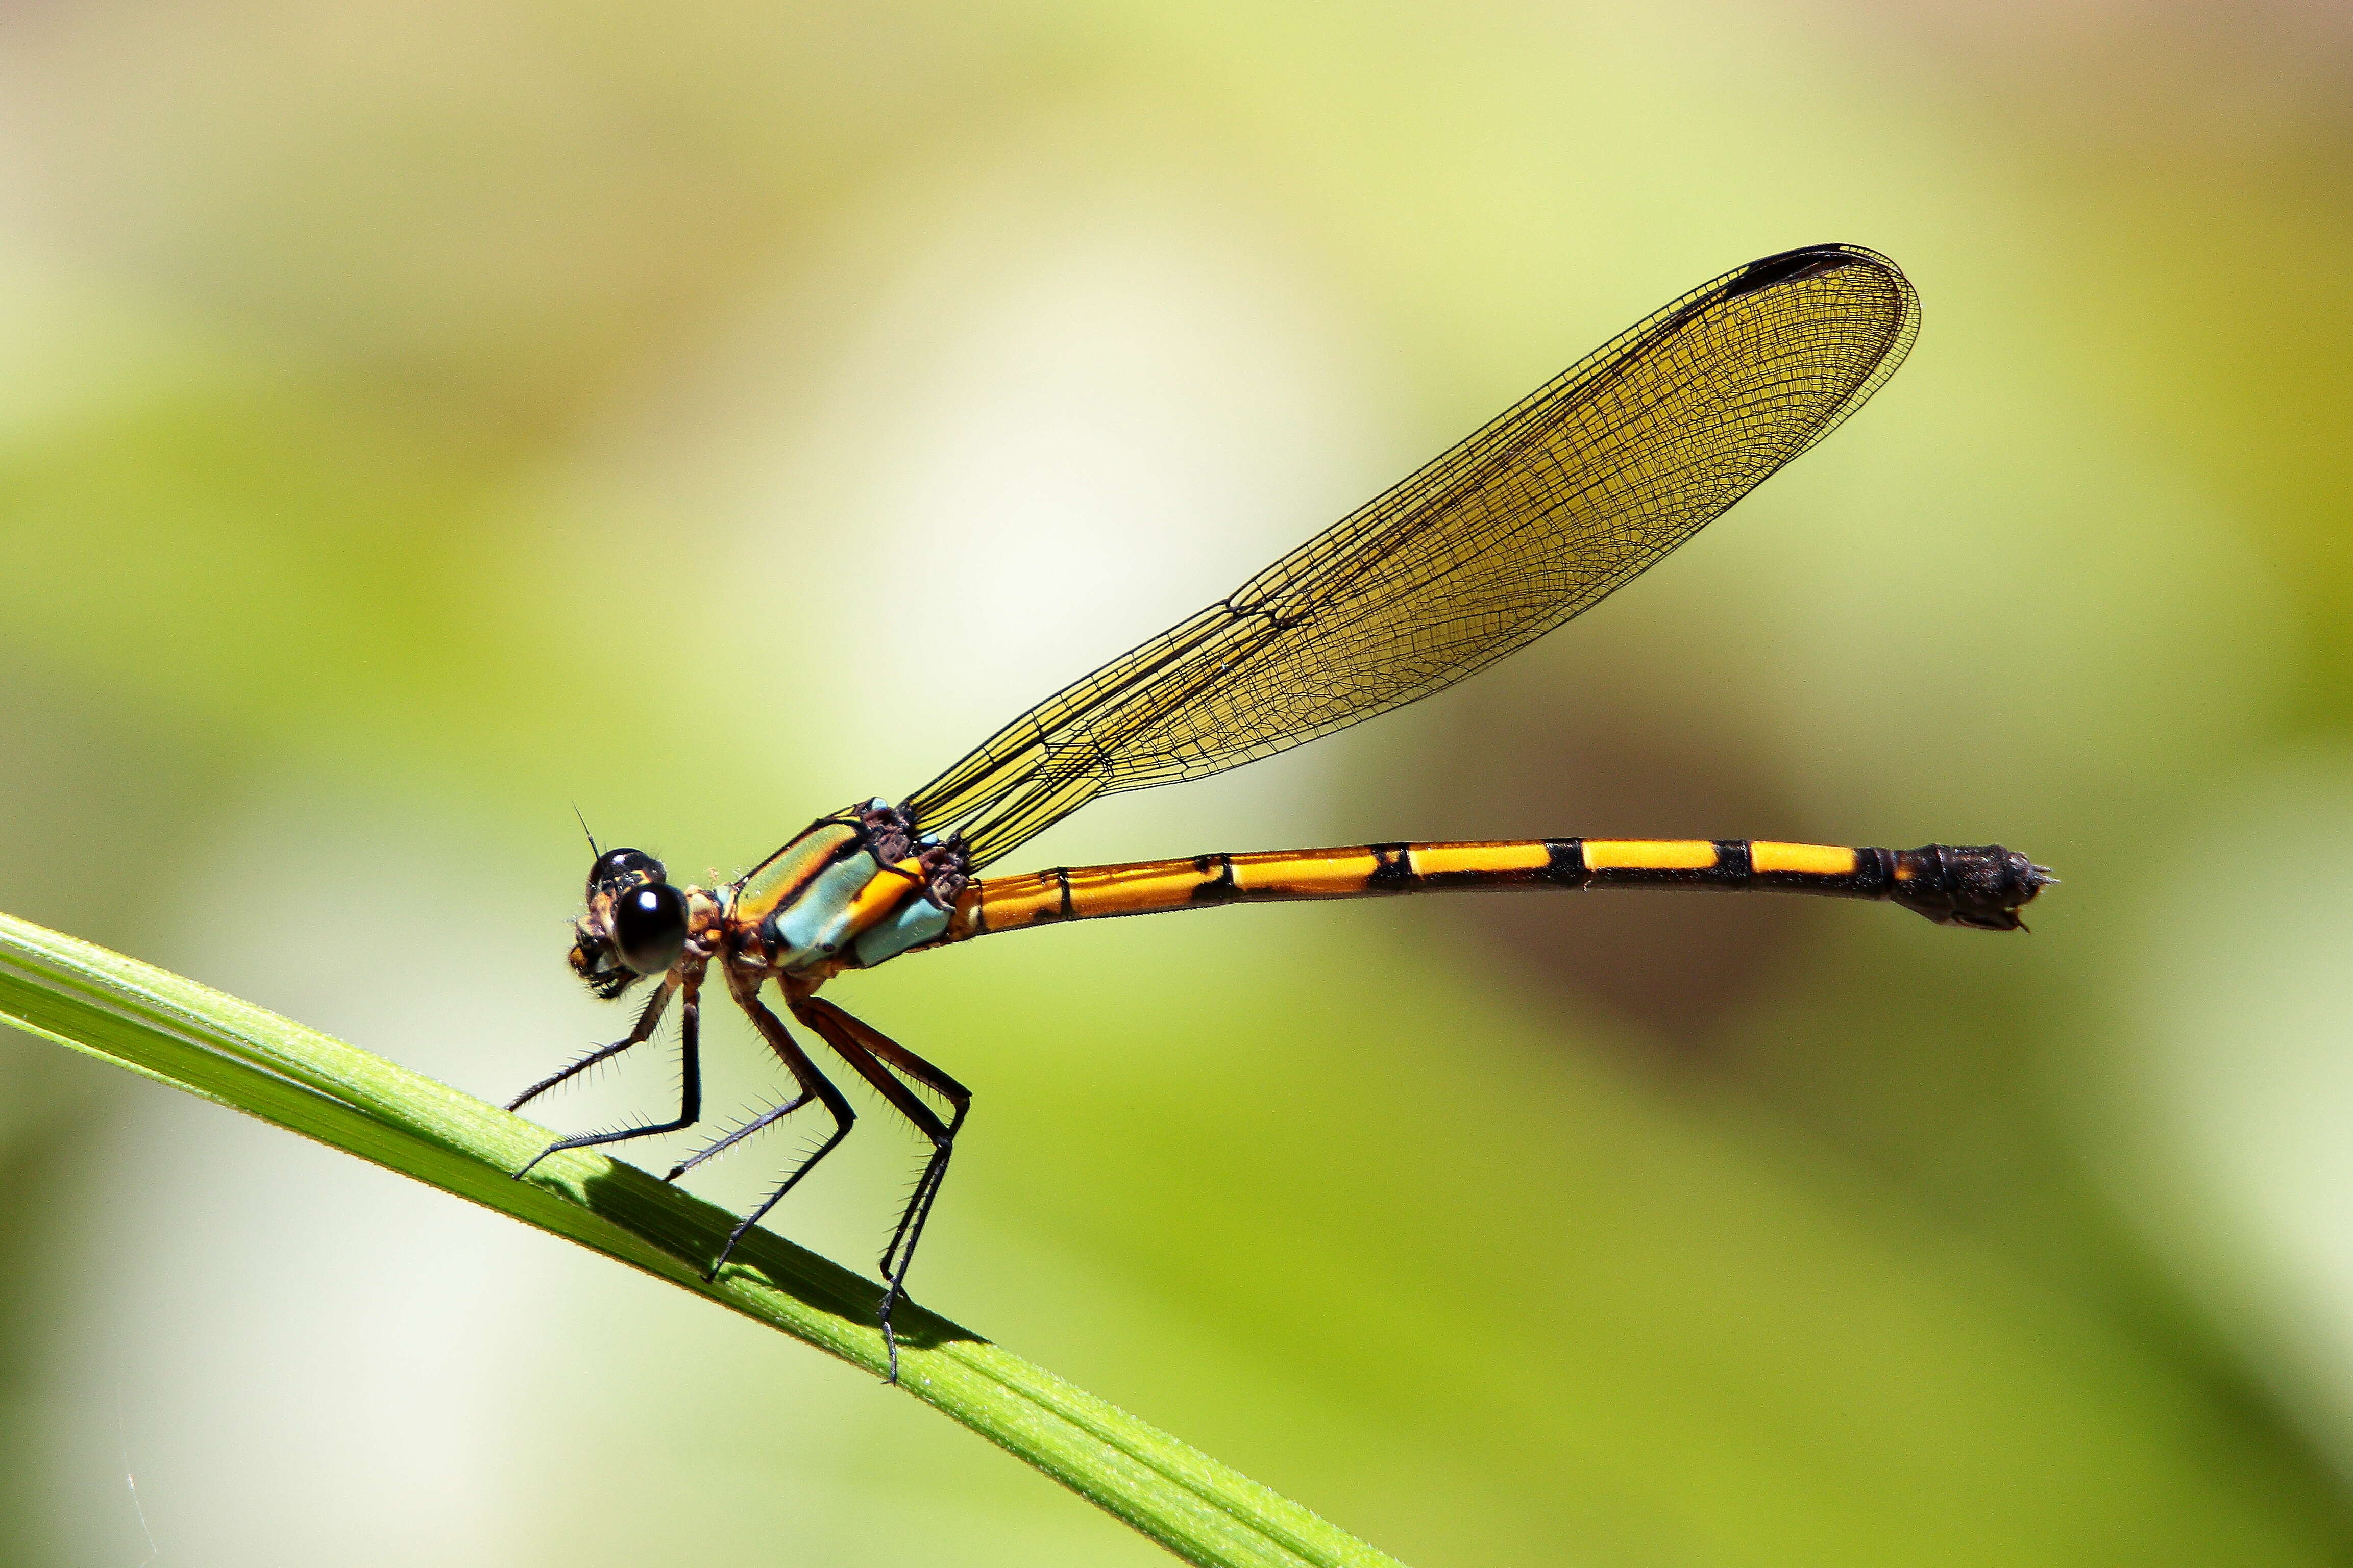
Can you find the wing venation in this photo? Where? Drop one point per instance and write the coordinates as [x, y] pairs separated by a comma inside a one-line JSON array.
[[1545, 512]]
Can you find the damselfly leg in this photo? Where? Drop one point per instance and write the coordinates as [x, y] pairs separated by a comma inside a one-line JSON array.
[[868, 1049], [745, 989], [759, 1124], [648, 1020], [690, 1061]]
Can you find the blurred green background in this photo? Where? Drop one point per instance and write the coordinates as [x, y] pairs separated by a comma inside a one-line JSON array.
[[419, 418]]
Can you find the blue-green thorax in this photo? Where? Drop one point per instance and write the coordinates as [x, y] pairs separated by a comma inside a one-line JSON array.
[[828, 896]]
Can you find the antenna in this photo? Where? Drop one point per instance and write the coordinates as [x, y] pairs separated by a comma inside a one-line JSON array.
[[599, 854]]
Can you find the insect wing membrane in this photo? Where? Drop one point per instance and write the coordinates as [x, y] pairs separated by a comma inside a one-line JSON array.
[[1550, 508]]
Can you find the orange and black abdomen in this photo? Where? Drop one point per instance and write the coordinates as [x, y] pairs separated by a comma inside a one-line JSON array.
[[1980, 886]]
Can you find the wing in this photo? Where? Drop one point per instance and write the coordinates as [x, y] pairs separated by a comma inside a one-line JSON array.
[[1540, 515]]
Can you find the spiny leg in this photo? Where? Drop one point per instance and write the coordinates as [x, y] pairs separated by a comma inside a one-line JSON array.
[[690, 1058], [805, 1072], [959, 1099], [861, 1044], [639, 1035], [766, 1119]]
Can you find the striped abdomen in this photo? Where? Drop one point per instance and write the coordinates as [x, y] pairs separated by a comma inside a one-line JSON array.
[[1980, 886]]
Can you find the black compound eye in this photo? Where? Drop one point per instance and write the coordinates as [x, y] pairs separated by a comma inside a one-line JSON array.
[[616, 869], [650, 927]]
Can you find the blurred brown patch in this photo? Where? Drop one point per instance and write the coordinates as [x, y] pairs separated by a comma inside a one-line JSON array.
[[1675, 965]]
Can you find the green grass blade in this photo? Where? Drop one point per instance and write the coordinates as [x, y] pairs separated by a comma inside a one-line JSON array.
[[177, 1032]]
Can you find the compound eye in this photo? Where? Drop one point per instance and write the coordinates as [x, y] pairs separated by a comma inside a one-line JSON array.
[[650, 927], [616, 869]]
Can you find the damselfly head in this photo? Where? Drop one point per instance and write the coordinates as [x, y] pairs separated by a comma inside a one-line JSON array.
[[635, 925]]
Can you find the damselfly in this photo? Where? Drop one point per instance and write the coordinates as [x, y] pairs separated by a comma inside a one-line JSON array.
[[1554, 505]]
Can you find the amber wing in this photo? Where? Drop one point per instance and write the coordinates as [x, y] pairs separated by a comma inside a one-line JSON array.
[[1540, 515]]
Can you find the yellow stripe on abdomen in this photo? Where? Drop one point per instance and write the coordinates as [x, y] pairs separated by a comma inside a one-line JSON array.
[[1649, 854], [1008, 903], [1802, 859], [1100, 891], [1301, 873], [1478, 860]]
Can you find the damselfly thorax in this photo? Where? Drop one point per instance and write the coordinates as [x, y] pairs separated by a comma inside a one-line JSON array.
[[1556, 504]]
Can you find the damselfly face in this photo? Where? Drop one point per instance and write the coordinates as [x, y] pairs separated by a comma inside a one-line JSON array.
[[635, 925]]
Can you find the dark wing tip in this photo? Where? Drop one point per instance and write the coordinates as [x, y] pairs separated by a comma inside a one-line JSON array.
[[1809, 261]]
